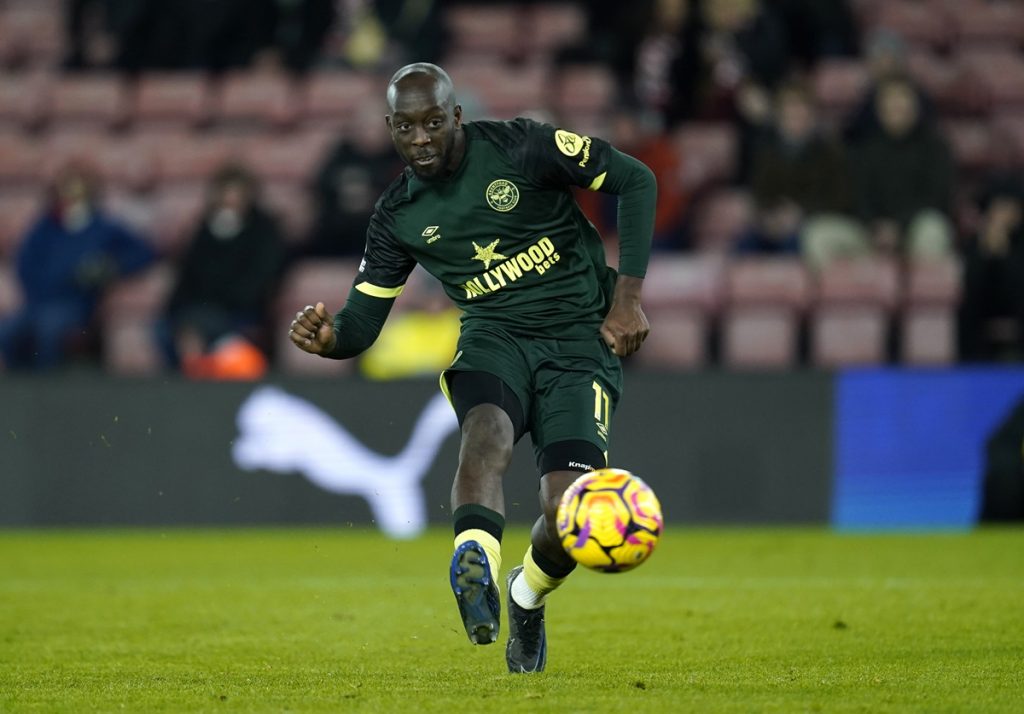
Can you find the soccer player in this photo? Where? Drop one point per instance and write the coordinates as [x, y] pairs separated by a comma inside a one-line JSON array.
[[486, 208]]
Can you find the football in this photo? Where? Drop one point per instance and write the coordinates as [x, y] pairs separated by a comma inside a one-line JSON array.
[[609, 520]]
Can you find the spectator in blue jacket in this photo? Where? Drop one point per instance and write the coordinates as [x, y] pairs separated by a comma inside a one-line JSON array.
[[67, 258]]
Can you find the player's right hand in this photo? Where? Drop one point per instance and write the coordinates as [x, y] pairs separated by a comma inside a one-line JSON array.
[[312, 330]]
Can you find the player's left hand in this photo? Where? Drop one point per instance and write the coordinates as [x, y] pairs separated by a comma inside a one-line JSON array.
[[625, 327]]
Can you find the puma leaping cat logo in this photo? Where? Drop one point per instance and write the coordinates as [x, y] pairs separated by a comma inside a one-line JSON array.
[[281, 432]]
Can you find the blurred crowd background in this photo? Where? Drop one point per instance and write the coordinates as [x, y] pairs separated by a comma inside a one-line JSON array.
[[839, 180]]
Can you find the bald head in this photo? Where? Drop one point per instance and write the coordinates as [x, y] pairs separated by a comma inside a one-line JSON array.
[[422, 77]]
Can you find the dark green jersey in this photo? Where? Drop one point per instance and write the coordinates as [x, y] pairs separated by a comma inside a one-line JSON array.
[[503, 234]]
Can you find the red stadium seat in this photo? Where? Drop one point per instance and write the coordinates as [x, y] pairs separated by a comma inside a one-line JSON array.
[[31, 34], [290, 201], [843, 336], [998, 71], [555, 25], [768, 281], [285, 157], [928, 324], [928, 336], [919, 22], [97, 100], [972, 142], [720, 218], [21, 160], [839, 84], [306, 283], [18, 209], [177, 100], [504, 91], [10, 289], [583, 89], [760, 337], [683, 281], [863, 281], [189, 158], [177, 210], [331, 98], [259, 99], [981, 23], [23, 99], [488, 30], [707, 151], [128, 315], [678, 339]]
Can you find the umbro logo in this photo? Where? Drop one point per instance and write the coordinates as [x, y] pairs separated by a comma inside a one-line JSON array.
[[432, 233]]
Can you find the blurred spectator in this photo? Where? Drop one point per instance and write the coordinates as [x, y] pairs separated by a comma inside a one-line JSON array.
[[639, 136], [354, 175], [66, 260], [743, 39], [227, 276], [904, 177], [664, 62], [886, 57], [993, 277], [800, 181]]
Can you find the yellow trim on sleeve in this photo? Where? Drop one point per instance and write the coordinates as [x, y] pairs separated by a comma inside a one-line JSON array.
[[379, 292], [597, 182]]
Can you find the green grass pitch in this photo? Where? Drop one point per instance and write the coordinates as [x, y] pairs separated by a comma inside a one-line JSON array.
[[340, 620]]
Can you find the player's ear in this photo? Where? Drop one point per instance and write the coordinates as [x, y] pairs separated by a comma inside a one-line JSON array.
[[387, 120], [457, 113]]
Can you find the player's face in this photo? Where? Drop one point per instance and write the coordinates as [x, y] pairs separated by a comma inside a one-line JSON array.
[[424, 131]]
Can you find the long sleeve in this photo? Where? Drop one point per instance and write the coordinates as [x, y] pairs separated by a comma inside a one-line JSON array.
[[357, 325], [637, 190]]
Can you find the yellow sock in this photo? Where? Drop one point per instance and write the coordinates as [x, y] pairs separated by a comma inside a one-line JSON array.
[[532, 589], [490, 544]]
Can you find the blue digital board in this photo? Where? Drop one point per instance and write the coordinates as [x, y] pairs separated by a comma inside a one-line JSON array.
[[910, 444]]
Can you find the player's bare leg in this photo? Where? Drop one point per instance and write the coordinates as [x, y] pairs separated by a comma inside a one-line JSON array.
[[478, 508], [545, 567]]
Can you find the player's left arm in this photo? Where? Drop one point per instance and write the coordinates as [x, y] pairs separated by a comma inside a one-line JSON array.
[[625, 327], [559, 157]]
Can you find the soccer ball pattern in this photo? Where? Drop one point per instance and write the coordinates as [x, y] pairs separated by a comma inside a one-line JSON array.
[[609, 520]]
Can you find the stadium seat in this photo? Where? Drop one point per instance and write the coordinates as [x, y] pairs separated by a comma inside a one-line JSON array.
[[174, 100], [256, 99], [839, 84], [848, 335], [947, 81], [291, 202], [18, 209], [23, 98], [775, 281], [983, 23], [307, 282], [997, 71], [683, 281], [503, 91], [188, 158], [583, 89], [707, 153], [928, 324], [10, 290], [330, 98], [921, 23], [98, 100], [678, 339], [720, 218], [554, 25], [21, 160], [864, 281], [177, 210], [293, 157], [128, 315], [760, 337], [488, 30], [31, 34], [971, 141]]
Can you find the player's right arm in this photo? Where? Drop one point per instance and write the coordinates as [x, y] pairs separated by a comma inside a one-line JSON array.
[[382, 274]]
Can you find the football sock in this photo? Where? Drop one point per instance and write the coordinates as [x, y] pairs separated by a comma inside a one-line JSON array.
[[475, 522], [540, 576]]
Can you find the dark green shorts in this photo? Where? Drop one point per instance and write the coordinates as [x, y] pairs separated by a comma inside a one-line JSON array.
[[568, 388]]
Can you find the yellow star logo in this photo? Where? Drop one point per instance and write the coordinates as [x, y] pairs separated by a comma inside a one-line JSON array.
[[486, 255]]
